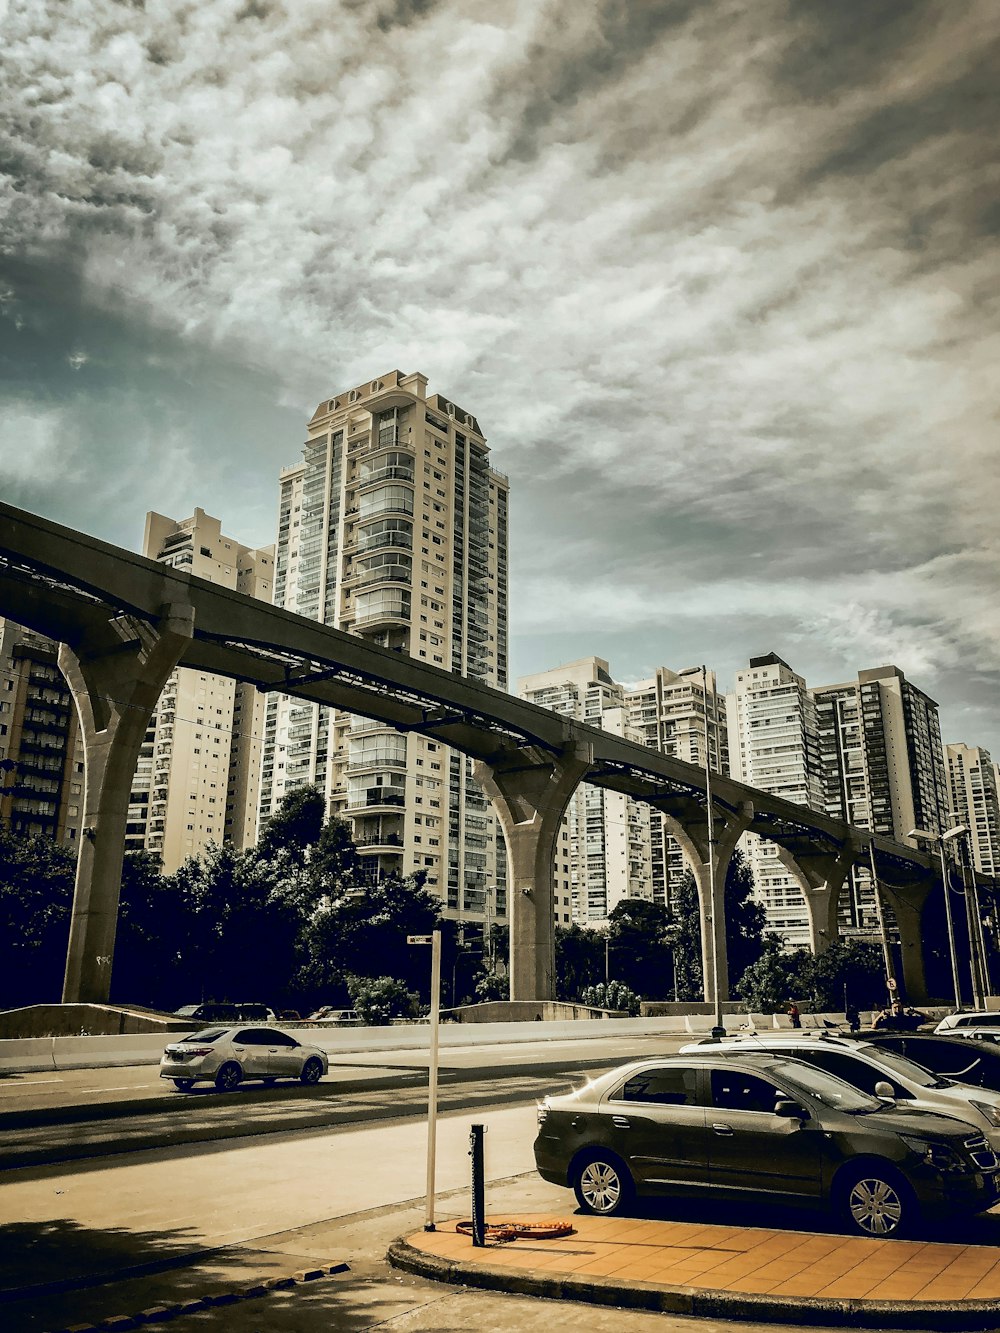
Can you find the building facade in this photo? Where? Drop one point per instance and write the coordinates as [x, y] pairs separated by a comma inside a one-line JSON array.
[[41, 757], [882, 768], [198, 769], [679, 713], [774, 745], [972, 785], [603, 852], [394, 527]]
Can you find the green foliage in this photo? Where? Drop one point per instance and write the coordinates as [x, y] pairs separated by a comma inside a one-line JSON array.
[[579, 960], [744, 928], [639, 949], [36, 894], [767, 985], [380, 999], [854, 968], [613, 995], [295, 826]]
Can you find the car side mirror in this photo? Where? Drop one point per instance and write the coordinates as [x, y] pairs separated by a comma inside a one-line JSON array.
[[789, 1110], [884, 1091]]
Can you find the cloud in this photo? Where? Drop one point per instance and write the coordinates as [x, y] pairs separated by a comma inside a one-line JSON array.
[[720, 281]]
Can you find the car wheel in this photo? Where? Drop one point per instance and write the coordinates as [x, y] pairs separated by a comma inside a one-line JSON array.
[[312, 1071], [230, 1076], [184, 1084], [876, 1201], [603, 1185]]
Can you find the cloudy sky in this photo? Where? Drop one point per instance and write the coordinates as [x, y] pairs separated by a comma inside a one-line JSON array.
[[719, 279]]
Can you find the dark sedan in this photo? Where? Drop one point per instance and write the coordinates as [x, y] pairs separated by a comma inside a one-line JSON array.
[[763, 1125]]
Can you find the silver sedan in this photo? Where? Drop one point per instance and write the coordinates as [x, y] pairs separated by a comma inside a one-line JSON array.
[[226, 1056]]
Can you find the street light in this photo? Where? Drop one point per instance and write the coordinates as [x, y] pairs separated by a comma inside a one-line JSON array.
[[718, 1029], [941, 838]]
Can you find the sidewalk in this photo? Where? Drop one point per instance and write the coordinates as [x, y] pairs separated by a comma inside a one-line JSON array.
[[725, 1272]]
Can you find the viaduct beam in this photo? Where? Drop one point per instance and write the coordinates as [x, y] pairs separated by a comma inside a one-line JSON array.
[[116, 679], [822, 875], [530, 790]]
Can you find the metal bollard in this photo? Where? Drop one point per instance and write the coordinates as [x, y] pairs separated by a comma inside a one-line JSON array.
[[478, 1185]]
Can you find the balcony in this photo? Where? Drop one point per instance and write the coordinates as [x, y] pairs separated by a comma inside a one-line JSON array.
[[373, 619], [395, 473], [377, 798]]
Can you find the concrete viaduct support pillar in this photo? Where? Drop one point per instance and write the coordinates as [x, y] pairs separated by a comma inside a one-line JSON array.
[[115, 685], [530, 791], [822, 878], [729, 825], [907, 902]]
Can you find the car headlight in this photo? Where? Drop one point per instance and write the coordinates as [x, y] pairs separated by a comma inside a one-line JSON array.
[[543, 1112], [940, 1156], [992, 1113]]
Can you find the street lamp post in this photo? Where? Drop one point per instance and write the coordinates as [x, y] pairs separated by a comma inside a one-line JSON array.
[[890, 975], [941, 838], [718, 1028]]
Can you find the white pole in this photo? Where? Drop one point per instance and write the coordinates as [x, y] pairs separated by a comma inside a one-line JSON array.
[[432, 1076], [718, 918]]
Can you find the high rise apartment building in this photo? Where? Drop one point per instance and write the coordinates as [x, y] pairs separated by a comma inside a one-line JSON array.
[[603, 854], [678, 713], [41, 758], [972, 782], [774, 745], [394, 527], [882, 767], [196, 779]]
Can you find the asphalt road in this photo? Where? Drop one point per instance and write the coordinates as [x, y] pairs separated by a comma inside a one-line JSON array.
[[88, 1113]]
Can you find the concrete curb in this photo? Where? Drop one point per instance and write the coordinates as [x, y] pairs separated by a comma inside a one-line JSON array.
[[699, 1302], [158, 1314]]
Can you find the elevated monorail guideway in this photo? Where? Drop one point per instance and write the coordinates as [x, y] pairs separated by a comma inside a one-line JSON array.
[[124, 622]]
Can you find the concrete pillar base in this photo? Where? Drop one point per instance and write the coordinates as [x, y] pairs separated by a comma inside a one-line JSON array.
[[530, 790], [822, 879], [115, 684]]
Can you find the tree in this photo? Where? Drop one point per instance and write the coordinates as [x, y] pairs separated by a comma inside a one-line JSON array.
[[362, 932], [848, 972], [639, 948], [378, 1000], [744, 919], [767, 985], [36, 897], [579, 960], [153, 939], [613, 995], [296, 825]]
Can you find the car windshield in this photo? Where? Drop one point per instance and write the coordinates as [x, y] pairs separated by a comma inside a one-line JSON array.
[[905, 1068], [826, 1088], [206, 1036]]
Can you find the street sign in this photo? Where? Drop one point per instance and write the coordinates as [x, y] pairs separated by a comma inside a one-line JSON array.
[[419, 939]]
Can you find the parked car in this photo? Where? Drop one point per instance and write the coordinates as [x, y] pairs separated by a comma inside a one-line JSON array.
[[766, 1125], [331, 1014], [974, 1023], [879, 1072], [948, 1056], [212, 1012], [228, 1055]]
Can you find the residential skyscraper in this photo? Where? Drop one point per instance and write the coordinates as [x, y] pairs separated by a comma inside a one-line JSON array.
[[774, 745], [394, 527], [603, 853], [195, 782], [41, 760], [673, 713], [882, 767], [972, 781]]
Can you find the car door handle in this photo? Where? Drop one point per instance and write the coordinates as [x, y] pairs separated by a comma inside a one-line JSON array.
[[620, 1122], [726, 1131]]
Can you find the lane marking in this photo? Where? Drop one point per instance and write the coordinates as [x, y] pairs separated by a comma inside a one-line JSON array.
[[29, 1082]]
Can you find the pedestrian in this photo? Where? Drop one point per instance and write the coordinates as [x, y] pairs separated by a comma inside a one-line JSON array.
[[853, 1018], [793, 1014]]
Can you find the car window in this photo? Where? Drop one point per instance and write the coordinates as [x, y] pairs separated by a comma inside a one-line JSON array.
[[858, 1073], [253, 1037], [207, 1035], [282, 1039], [905, 1068], [826, 1088], [736, 1090], [664, 1087]]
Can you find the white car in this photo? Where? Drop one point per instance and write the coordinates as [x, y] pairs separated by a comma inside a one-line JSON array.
[[873, 1069], [227, 1056], [978, 1023]]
